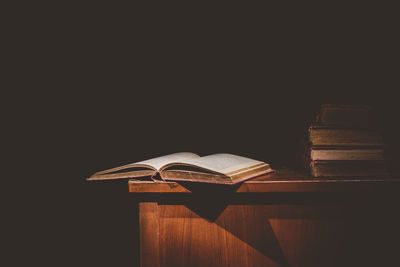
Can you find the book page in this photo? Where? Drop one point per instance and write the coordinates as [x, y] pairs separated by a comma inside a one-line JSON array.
[[159, 162], [222, 163], [155, 163]]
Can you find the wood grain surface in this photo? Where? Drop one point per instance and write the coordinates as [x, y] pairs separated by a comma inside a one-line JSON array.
[[280, 222], [149, 234], [317, 232]]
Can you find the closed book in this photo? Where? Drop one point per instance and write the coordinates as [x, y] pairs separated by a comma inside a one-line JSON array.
[[354, 116], [347, 168], [328, 136], [347, 153]]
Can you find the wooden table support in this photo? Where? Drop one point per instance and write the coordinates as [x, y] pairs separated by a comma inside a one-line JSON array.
[[284, 219]]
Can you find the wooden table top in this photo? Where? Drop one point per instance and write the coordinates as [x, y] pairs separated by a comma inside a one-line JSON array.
[[280, 181]]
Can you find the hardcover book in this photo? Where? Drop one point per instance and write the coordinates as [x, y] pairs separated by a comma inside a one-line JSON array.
[[328, 136], [347, 153], [354, 116], [185, 166], [360, 168], [342, 143]]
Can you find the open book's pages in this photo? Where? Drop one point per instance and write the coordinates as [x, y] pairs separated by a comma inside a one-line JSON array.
[[217, 168], [142, 168]]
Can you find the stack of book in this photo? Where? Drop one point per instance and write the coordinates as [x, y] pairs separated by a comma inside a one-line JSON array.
[[342, 143]]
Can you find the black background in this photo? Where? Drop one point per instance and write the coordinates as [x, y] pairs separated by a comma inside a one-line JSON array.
[[100, 86]]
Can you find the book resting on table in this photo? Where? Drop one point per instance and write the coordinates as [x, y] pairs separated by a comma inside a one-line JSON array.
[[185, 166]]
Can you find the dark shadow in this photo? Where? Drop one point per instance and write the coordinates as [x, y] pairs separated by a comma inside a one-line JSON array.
[[210, 201], [251, 223], [247, 215], [250, 232]]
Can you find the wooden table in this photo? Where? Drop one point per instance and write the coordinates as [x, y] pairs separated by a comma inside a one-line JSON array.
[[282, 219]]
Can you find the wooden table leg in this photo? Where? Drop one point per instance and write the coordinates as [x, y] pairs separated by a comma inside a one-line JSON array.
[[149, 234]]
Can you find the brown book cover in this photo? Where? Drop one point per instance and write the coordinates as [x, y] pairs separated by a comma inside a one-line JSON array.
[[348, 168], [347, 153], [354, 116], [335, 136]]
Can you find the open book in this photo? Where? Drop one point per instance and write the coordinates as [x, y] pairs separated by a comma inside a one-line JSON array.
[[216, 168]]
